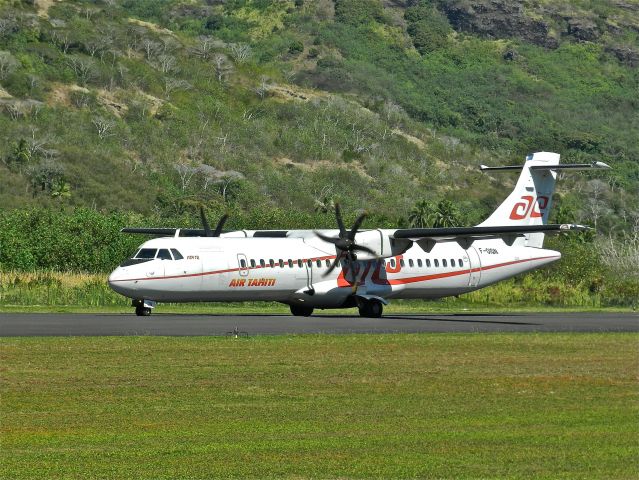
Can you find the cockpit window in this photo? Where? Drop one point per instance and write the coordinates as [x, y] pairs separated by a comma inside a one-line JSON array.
[[146, 253], [164, 254], [177, 255]]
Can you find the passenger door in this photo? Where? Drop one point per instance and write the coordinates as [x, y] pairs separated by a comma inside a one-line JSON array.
[[474, 266]]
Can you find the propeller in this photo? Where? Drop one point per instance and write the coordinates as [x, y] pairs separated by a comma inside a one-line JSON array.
[[207, 229], [345, 241]]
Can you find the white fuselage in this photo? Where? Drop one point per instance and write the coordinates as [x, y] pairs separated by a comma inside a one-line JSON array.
[[293, 271]]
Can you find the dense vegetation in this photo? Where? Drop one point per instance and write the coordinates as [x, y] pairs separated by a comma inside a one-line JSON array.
[[274, 109], [590, 274]]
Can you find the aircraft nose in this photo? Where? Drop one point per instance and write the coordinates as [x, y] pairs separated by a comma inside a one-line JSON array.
[[118, 283]]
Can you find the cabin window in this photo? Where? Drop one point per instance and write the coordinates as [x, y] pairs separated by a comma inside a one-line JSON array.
[[444, 264], [242, 263], [461, 262], [281, 263], [309, 263], [328, 263], [146, 253], [319, 264], [410, 263], [252, 263], [290, 263], [271, 262], [299, 263], [392, 262], [428, 263], [436, 262], [262, 263], [164, 254], [401, 262], [177, 255], [419, 262], [452, 262]]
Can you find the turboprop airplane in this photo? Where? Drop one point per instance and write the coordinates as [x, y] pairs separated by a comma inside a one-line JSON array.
[[342, 268]]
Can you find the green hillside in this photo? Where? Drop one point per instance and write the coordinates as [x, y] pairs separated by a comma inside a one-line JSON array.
[[159, 106]]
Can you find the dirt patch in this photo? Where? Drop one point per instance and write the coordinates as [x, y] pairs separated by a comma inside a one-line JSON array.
[[108, 100], [60, 93], [155, 102], [290, 92], [151, 26], [412, 139], [4, 93], [322, 164], [43, 7]]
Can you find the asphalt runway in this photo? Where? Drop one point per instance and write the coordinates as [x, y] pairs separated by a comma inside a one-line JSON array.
[[35, 324]]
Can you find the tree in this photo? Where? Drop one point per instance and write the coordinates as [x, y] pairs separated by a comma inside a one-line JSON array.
[[173, 84], [421, 215], [8, 64], [20, 156], [222, 67], [205, 47], [240, 52], [84, 69], [45, 176], [446, 215], [104, 127]]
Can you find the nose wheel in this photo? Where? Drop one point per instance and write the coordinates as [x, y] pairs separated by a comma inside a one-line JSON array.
[[141, 311]]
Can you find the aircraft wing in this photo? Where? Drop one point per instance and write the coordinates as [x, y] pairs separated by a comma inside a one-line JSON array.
[[184, 232], [475, 233]]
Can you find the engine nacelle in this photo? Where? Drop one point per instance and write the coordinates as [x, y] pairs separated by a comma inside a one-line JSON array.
[[377, 241]]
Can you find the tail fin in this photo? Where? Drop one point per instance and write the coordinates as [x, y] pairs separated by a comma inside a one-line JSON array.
[[529, 203]]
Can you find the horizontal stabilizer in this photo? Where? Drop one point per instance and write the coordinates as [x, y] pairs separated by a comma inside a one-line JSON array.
[[565, 166]]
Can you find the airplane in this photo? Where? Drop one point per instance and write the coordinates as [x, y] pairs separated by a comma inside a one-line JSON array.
[[345, 268]]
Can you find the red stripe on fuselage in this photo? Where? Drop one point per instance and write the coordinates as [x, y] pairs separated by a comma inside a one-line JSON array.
[[215, 272]]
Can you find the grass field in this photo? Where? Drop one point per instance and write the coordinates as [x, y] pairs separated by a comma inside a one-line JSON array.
[[360, 406]]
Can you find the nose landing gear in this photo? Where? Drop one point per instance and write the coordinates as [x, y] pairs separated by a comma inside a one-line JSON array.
[[143, 308], [142, 311]]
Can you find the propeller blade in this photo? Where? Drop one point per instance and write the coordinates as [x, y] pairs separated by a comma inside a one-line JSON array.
[[356, 225], [205, 224], [340, 223], [220, 224], [327, 239], [332, 267]]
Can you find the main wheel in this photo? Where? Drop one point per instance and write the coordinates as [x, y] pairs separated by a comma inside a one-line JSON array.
[[371, 309], [142, 311], [301, 310]]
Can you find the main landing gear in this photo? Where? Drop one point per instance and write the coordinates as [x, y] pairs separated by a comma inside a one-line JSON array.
[[370, 308], [301, 310]]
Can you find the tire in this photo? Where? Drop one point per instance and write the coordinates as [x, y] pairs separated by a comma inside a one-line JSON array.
[[142, 311], [301, 310], [371, 309]]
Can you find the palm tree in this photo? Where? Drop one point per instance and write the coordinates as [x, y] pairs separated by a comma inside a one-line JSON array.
[[446, 215], [421, 215]]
